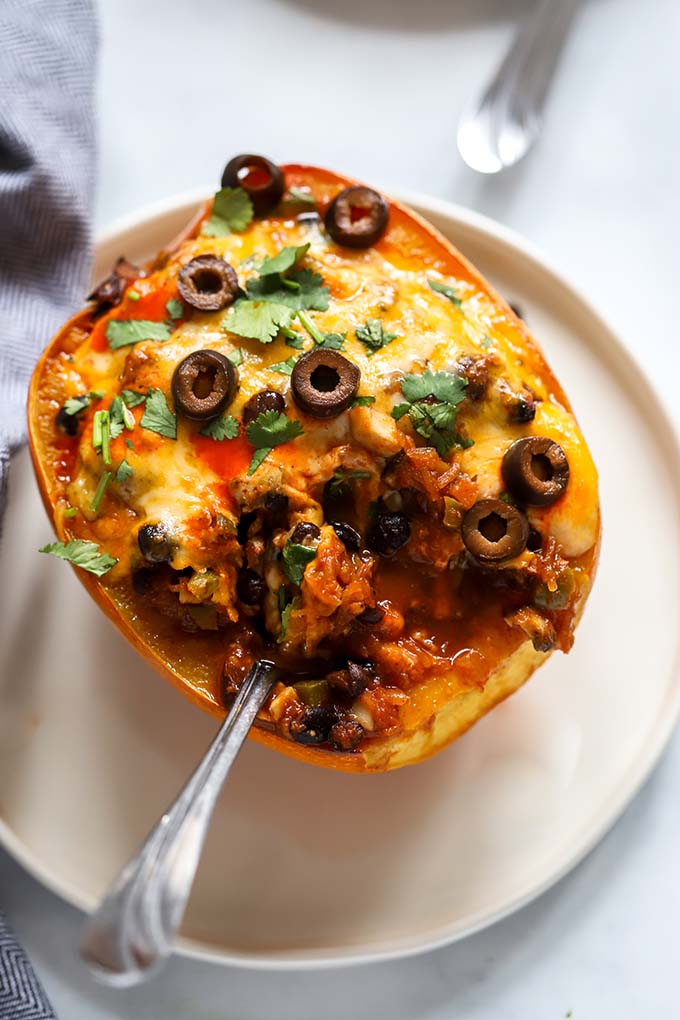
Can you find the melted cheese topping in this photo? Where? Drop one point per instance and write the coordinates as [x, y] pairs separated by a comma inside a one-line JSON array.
[[199, 488]]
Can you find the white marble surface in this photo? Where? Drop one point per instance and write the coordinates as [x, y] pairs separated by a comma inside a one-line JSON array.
[[375, 88]]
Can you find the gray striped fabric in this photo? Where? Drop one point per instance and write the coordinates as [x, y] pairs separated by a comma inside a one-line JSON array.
[[47, 162], [47, 159]]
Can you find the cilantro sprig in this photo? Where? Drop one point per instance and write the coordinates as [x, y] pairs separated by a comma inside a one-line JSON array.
[[431, 404], [83, 554], [232, 212], [270, 429], [374, 336]]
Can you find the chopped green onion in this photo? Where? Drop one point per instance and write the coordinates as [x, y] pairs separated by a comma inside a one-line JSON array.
[[101, 489], [317, 337], [134, 295], [71, 512]]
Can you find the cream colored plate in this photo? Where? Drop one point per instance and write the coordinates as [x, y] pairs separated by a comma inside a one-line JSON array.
[[303, 866]]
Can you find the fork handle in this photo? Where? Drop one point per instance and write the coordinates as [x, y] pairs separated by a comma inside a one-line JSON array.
[[132, 930]]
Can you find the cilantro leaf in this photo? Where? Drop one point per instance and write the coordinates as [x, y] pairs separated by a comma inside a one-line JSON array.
[[236, 357], [362, 401], [74, 405], [232, 212], [123, 332], [131, 398], [333, 341], [124, 472], [293, 339], [295, 559], [221, 428], [373, 335], [310, 293], [258, 457], [83, 554], [445, 386], [157, 415], [302, 196], [449, 292], [284, 367], [258, 320], [175, 308], [284, 261], [272, 428]]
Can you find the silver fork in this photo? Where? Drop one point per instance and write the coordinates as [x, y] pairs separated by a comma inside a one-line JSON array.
[[132, 930], [503, 124]]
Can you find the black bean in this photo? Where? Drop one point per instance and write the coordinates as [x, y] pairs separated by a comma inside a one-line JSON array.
[[349, 536], [313, 725], [265, 400], [534, 541], [250, 588], [389, 533], [303, 532], [352, 681], [371, 615], [275, 509], [143, 580], [154, 543]]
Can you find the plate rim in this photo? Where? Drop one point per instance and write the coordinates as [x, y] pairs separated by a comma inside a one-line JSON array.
[[640, 768]]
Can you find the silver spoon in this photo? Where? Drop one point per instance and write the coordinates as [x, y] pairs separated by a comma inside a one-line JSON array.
[[503, 124], [132, 930]]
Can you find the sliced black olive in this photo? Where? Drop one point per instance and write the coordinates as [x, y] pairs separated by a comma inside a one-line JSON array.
[[313, 725], [259, 177], [346, 735], [303, 532], [110, 291], [389, 533], [324, 383], [371, 615], [250, 588], [536, 470], [357, 217], [494, 531], [203, 384], [154, 543], [208, 283], [265, 400], [349, 536]]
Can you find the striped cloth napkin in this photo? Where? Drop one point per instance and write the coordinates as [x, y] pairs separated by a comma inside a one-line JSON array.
[[47, 166]]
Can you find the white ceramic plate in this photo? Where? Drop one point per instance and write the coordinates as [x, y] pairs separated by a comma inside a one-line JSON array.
[[305, 867]]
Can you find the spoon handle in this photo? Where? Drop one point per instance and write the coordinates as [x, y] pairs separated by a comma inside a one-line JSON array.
[[505, 121], [133, 928]]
